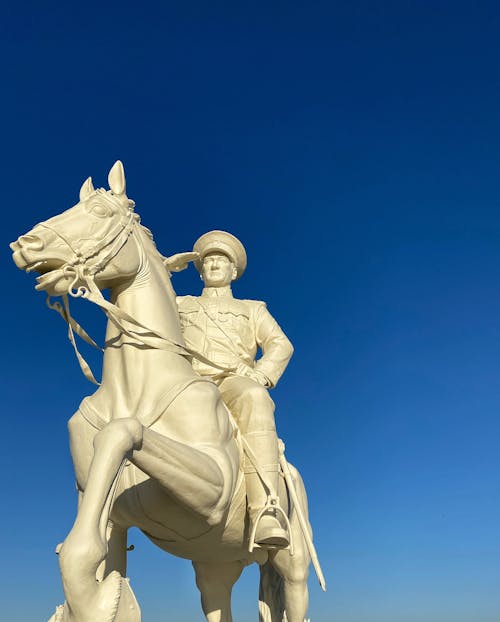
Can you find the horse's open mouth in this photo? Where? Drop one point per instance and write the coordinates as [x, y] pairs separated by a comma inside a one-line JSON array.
[[49, 270], [44, 266]]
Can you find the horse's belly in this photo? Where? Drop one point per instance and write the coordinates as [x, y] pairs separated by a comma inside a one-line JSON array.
[[225, 542], [142, 502]]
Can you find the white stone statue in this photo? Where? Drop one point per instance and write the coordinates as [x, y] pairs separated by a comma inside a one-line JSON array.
[[155, 446]]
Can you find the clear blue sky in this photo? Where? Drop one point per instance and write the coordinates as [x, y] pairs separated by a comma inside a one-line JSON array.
[[354, 147]]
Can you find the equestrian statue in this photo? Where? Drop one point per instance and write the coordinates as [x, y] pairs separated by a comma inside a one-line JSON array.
[[179, 438]]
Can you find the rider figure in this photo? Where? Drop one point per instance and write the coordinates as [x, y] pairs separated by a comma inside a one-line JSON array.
[[228, 332]]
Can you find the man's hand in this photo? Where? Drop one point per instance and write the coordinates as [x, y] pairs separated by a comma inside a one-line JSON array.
[[179, 262], [254, 374]]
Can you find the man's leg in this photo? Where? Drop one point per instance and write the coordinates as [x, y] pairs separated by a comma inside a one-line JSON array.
[[253, 409]]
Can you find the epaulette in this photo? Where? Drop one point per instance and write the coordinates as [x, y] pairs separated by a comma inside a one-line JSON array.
[[255, 302]]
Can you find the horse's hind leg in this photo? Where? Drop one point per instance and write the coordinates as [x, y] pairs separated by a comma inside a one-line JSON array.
[[294, 571], [215, 582]]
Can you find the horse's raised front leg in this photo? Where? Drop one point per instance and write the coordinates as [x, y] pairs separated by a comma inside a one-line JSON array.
[[195, 458], [215, 582], [202, 479], [200, 471]]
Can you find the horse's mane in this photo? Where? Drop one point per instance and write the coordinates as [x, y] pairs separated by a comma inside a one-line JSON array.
[[149, 233]]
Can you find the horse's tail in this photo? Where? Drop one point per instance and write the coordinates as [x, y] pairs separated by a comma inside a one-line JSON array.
[[271, 595]]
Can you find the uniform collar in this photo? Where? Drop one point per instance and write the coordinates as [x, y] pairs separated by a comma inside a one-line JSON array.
[[217, 292]]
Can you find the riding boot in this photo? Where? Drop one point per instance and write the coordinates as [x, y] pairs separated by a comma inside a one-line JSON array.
[[269, 531]]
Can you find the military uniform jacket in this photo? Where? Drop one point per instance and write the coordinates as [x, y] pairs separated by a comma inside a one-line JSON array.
[[229, 332]]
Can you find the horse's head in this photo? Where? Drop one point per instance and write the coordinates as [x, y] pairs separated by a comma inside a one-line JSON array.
[[86, 241]]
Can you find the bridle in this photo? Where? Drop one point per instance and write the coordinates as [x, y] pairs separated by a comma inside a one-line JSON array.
[[79, 265]]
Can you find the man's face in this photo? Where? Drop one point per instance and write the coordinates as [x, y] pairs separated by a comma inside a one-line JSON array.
[[217, 270]]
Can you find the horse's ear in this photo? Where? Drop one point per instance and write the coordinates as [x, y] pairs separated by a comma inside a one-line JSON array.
[[116, 178], [87, 189]]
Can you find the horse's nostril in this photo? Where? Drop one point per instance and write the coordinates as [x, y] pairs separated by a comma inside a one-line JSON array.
[[31, 242]]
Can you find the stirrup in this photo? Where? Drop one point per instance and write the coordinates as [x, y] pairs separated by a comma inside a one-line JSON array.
[[272, 503]]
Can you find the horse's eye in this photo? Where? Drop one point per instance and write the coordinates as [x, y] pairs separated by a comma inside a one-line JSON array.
[[101, 210]]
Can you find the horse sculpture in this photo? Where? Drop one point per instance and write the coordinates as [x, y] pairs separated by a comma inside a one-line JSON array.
[[154, 447]]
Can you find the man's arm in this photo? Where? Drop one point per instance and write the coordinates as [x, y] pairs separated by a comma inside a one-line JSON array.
[[178, 262], [276, 347]]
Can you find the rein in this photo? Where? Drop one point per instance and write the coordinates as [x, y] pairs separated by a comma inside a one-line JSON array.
[[89, 291]]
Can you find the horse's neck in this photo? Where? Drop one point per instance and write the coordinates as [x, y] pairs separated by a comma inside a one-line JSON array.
[[134, 375], [150, 299]]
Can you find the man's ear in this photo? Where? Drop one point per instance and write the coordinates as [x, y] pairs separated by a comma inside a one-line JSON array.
[[234, 273]]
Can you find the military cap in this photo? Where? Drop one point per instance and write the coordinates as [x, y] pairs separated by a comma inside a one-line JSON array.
[[222, 242]]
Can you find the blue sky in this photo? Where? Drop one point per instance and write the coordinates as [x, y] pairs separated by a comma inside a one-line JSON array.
[[354, 149]]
